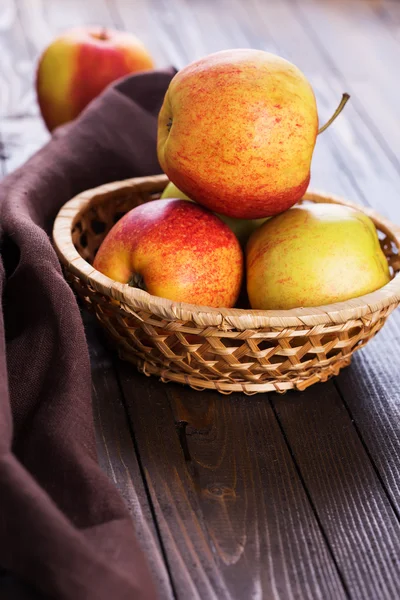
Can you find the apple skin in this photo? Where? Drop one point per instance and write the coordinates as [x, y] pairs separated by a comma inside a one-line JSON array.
[[242, 228], [237, 131], [79, 64], [171, 191], [314, 255], [177, 250]]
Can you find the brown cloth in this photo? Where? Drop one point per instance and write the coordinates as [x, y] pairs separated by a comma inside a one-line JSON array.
[[63, 527]]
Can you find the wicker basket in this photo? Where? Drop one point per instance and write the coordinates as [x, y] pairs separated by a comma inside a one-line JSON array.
[[224, 349]]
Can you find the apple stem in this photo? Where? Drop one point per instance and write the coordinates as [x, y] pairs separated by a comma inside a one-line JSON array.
[[103, 35], [337, 112], [137, 281]]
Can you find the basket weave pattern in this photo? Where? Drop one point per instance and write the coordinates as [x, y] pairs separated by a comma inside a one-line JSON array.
[[224, 349]]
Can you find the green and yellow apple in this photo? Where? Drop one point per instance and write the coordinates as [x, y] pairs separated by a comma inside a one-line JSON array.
[[313, 255], [79, 64], [236, 133], [171, 191], [242, 228], [174, 249]]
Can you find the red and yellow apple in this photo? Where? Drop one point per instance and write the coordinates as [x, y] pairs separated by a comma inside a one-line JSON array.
[[177, 250], [236, 133], [242, 228], [313, 255], [79, 64]]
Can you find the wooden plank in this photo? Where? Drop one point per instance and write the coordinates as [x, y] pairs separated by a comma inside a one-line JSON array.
[[22, 132], [233, 515], [153, 22], [43, 20], [355, 513], [16, 68], [371, 393], [22, 137], [388, 11], [117, 454], [365, 58]]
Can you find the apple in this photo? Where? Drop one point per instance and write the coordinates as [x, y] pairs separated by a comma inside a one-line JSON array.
[[242, 228], [236, 133], [313, 255], [171, 191], [177, 250], [79, 64]]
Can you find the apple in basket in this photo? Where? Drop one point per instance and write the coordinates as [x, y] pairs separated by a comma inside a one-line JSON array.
[[79, 64], [236, 132], [313, 255], [177, 250], [242, 228]]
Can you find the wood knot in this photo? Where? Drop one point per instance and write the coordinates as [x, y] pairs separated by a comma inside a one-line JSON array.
[[219, 491]]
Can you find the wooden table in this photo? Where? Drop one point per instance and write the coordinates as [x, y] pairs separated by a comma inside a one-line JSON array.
[[294, 496]]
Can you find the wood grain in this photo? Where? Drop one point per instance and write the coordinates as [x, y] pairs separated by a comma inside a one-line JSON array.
[[43, 20], [153, 21], [388, 12], [371, 392], [365, 58], [233, 515], [354, 511], [16, 68], [22, 137]]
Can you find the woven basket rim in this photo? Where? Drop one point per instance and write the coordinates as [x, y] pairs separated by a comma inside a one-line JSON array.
[[135, 300]]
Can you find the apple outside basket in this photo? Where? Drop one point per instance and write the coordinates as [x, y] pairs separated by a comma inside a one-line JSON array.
[[228, 349]]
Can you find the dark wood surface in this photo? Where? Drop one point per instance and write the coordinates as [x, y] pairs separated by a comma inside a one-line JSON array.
[[294, 496]]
